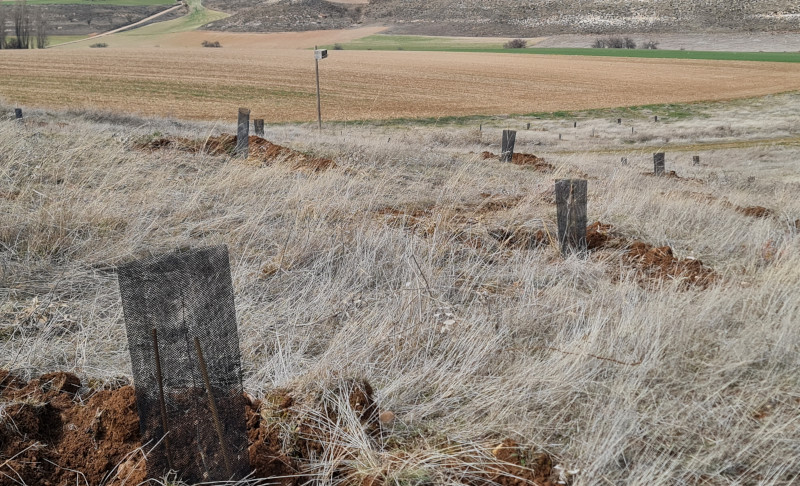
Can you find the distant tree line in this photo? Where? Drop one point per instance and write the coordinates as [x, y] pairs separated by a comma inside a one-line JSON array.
[[28, 27]]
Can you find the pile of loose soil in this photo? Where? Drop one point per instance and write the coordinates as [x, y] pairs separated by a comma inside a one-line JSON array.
[[652, 264], [262, 151], [54, 432], [529, 160]]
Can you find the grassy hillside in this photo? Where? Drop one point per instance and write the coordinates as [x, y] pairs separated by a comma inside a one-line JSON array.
[[666, 355]]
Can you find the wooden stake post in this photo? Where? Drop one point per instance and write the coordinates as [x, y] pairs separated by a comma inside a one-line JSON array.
[[243, 133], [658, 164], [507, 149], [18, 113], [571, 215], [258, 125], [695, 160]]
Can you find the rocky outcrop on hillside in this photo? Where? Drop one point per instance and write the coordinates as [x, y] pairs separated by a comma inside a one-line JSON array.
[[515, 18]]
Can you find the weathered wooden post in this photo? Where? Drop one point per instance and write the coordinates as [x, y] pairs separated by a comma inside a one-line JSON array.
[[624, 161], [655, 118], [619, 121], [529, 126], [507, 148], [18, 113], [559, 136], [574, 124], [658, 163], [571, 215], [631, 129], [695, 160], [258, 125], [243, 134]]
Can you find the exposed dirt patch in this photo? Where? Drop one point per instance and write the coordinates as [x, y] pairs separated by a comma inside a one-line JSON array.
[[54, 431], [529, 160], [262, 151], [425, 220], [653, 265], [50, 431]]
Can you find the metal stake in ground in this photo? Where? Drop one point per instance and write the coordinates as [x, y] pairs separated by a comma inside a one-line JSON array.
[[319, 54], [212, 405], [259, 127], [507, 147], [243, 134], [658, 163], [161, 402], [571, 215], [18, 113]]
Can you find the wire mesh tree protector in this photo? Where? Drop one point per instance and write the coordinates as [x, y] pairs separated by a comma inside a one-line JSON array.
[[181, 324]]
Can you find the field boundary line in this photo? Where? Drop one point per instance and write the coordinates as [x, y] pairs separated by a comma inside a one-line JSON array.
[[124, 27]]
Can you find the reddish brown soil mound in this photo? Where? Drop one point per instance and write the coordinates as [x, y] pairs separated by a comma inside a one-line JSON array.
[[51, 438], [55, 432], [262, 151], [652, 264], [658, 263], [530, 160], [522, 468]]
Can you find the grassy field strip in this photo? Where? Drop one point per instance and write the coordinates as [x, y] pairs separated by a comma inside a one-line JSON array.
[[382, 42], [695, 147], [123, 28], [197, 17]]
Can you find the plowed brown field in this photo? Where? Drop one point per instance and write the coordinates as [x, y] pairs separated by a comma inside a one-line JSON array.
[[278, 85]]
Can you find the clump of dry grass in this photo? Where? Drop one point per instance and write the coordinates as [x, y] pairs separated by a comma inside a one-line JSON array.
[[463, 338]]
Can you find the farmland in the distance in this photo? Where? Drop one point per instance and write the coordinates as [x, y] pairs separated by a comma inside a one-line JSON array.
[[211, 83]]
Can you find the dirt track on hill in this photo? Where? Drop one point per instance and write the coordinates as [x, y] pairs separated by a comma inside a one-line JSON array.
[[278, 85]]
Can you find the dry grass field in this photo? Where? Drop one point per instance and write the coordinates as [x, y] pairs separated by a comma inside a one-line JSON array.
[[421, 267], [278, 84]]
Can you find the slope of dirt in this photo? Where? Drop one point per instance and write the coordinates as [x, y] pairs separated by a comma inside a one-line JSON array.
[[530, 160], [653, 265], [54, 432], [262, 151]]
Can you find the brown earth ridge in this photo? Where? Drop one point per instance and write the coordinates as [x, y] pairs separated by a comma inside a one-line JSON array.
[[53, 430]]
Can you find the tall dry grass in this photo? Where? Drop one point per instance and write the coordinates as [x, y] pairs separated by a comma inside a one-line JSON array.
[[464, 339]]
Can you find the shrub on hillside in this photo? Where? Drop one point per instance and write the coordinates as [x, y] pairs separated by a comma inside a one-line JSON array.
[[650, 45], [614, 43], [211, 44], [516, 44]]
